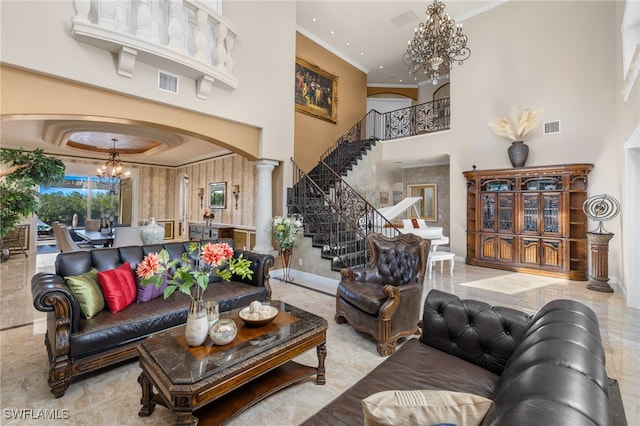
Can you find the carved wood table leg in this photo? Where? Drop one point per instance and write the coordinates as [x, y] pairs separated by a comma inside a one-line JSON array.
[[147, 393], [186, 419], [322, 354]]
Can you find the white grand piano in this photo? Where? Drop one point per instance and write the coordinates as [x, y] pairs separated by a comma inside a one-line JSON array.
[[413, 226]]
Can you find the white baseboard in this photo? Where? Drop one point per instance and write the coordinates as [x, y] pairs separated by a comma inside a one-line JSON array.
[[305, 279]]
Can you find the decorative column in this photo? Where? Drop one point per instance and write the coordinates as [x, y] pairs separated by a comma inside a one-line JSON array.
[[264, 208], [599, 273]]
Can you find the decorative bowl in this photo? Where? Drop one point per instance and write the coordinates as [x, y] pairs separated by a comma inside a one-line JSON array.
[[254, 318]]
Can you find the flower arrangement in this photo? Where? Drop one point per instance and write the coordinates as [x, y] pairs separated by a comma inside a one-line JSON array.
[[514, 128], [208, 215], [193, 277], [285, 231]]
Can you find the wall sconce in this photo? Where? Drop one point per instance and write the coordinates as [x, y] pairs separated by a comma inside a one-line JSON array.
[[201, 196], [236, 194]]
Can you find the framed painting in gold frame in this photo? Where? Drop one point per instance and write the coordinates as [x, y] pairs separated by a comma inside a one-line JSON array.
[[428, 206], [316, 91]]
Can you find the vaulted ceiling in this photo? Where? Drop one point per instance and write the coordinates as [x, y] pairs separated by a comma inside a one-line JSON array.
[[371, 35]]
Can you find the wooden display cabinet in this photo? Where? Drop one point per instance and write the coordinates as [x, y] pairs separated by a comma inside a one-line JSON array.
[[529, 219]]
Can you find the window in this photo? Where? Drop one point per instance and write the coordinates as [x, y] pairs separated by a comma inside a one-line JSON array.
[[77, 194]]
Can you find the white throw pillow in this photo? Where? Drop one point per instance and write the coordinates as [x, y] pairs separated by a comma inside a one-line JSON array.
[[424, 407]]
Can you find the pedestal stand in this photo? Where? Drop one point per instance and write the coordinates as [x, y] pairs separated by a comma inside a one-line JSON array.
[[599, 273], [285, 255]]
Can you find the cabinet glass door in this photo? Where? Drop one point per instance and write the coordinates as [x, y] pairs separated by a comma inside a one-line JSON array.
[[488, 212], [551, 213], [505, 213], [530, 211]]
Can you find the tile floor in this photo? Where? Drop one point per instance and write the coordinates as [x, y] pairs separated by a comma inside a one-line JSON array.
[[112, 397]]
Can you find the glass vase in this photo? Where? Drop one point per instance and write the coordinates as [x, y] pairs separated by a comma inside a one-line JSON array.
[[197, 324]]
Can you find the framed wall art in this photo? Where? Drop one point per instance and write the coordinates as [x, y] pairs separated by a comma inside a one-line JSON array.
[[428, 206], [218, 195], [316, 91]]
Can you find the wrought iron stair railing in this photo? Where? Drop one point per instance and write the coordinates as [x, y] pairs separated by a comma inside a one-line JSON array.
[[336, 216], [415, 120]]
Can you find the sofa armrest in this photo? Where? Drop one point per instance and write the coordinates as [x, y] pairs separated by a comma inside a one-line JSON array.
[[260, 265], [475, 331], [362, 274], [51, 294]]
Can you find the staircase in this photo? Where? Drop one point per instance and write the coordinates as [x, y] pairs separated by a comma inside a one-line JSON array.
[[336, 217]]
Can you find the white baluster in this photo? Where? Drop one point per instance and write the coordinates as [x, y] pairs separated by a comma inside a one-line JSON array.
[[230, 41], [221, 52], [123, 11], [175, 26], [143, 20], [201, 41], [107, 13], [83, 7]]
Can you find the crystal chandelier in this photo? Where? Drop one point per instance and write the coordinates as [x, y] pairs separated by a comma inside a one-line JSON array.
[[436, 43], [111, 173]]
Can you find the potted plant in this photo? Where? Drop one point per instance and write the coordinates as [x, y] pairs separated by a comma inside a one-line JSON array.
[[285, 232], [24, 170], [514, 129]]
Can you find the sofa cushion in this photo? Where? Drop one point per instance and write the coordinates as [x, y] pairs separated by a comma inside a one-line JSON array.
[[139, 320], [367, 298], [118, 287], [144, 293], [107, 331], [424, 407], [86, 289], [429, 369]]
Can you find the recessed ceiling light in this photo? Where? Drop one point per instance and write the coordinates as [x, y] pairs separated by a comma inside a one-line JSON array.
[[348, 44], [314, 19], [362, 53], [381, 67], [332, 32], [400, 80]]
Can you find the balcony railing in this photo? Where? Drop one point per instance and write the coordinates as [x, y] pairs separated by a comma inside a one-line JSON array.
[[184, 35], [415, 120]]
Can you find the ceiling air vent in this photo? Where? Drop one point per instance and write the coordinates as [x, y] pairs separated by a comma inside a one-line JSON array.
[[167, 82], [551, 127]]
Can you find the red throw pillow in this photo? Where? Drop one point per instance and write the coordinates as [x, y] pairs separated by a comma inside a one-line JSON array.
[[118, 287]]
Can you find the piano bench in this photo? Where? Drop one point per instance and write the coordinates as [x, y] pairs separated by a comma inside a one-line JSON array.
[[440, 256]]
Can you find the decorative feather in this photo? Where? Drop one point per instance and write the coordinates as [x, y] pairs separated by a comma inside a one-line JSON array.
[[514, 128]]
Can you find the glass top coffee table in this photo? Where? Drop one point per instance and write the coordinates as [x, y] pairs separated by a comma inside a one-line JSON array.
[[221, 381]]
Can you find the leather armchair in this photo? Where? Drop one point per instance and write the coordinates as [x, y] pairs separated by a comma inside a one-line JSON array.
[[383, 297]]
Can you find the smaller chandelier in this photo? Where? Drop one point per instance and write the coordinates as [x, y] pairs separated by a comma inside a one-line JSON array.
[[112, 172], [437, 43]]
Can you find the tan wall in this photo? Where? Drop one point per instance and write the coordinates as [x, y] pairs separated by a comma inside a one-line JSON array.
[[314, 136], [234, 170], [409, 92], [156, 193]]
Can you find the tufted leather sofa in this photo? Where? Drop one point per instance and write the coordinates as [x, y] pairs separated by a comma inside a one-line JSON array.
[[77, 346], [546, 369], [383, 297]]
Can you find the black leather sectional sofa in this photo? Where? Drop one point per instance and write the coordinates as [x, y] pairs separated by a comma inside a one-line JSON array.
[[546, 369], [77, 345]]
